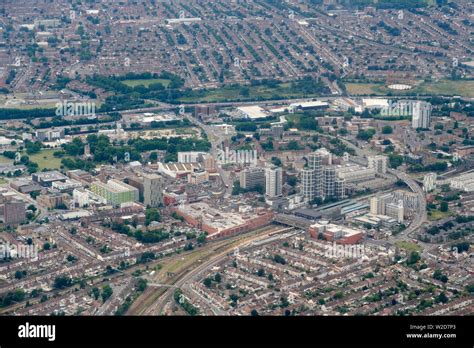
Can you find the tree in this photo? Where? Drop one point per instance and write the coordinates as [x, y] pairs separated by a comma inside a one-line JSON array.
[[343, 131], [254, 313], [234, 298], [444, 206], [387, 130], [71, 258], [202, 238], [395, 160], [218, 277], [236, 188], [106, 292], [442, 298], [62, 282], [152, 215], [293, 145], [279, 259], [20, 274], [438, 275], [413, 258], [276, 161], [141, 285], [153, 156], [207, 282], [284, 302], [366, 134], [95, 292]]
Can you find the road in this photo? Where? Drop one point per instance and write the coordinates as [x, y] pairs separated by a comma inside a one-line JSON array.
[[420, 215], [216, 136]]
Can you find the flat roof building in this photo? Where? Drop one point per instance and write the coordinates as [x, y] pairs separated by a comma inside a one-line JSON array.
[[115, 192]]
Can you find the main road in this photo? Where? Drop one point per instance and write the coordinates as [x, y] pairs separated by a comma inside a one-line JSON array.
[[216, 136], [420, 214]]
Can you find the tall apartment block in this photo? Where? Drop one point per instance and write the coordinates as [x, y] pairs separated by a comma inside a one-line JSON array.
[[329, 182], [273, 181], [340, 188], [308, 183], [315, 162], [14, 213], [152, 190], [421, 115]]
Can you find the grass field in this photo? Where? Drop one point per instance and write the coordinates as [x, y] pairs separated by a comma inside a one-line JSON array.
[[363, 88], [4, 160], [233, 93], [438, 215], [409, 246], [51, 106], [146, 83], [45, 159], [463, 88], [3, 181]]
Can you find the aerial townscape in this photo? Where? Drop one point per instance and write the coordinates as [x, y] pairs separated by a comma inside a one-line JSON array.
[[237, 157]]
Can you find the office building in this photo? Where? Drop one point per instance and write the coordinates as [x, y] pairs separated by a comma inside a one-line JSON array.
[[115, 192], [277, 131], [353, 173], [54, 200], [378, 203], [378, 163], [47, 178], [463, 182], [80, 197], [198, 177], [190, 156], [395, 210], [49, 134], [389, 205], [335, 233], [410, 199], [252, 177]]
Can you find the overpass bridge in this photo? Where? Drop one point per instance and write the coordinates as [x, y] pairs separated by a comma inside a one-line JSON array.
[[292, 220]]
